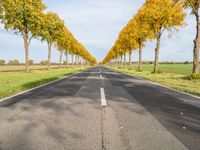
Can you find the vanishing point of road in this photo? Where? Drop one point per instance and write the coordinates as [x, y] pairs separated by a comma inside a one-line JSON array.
[[100, 109]]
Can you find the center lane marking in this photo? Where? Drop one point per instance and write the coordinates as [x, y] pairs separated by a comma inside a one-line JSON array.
[[103, 98]]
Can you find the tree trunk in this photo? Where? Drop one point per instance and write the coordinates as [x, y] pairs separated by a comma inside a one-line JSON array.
[[78, 60], [130, 59], [72, 59], [121, 60], [66, 63], [196, 47], [81, 61], [155, 70], [140, 57], [60, 65], [75, 59], [26, 46], [124, 60], [49, 55], [118, 61]]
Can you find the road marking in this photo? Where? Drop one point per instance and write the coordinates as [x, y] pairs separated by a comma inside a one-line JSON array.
[[103, 98], [184, 128], [99, 69]]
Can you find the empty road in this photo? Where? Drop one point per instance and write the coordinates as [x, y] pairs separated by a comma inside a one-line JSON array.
[[100, 109]]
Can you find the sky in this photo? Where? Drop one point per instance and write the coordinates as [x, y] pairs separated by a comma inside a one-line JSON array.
[[96, 24]]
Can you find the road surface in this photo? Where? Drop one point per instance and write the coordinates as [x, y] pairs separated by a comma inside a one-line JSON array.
[[100, 109]]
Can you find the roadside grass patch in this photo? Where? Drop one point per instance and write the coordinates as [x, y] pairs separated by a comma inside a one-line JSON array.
[[194, 77], [174, 80], [185, 69], [15, 82]]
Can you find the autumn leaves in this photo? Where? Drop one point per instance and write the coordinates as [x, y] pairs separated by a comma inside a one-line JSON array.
[[27, 18], [155, 17]]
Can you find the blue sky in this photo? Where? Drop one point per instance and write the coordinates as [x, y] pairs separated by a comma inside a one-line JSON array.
[[96, 24]]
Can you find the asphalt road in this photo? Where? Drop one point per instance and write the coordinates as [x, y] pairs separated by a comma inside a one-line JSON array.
[[68, 115]]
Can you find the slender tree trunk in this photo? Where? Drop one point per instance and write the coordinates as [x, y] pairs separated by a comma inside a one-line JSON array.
[[124, 60], [26, 46], [72, 59], [130, 59], [78, 60], [196, 47], [118, 61], [75, 59], [121, 60], [81, 61], [60, 64], [140, 57], [155, 70], [49, 55], [66, 63]]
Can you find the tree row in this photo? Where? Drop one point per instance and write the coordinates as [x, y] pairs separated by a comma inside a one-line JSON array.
[[28, 18], [154, 18]]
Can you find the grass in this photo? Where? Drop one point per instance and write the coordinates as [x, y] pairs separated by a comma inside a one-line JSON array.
[[185, 69], [14, 68], [174, 76], [15, 82]]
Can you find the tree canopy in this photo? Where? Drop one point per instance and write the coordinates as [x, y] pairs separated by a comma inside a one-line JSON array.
[[149, 23], [27, 18]]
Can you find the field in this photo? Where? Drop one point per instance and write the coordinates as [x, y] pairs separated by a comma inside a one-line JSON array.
[[12, 81], [173, 75], [11, 68], [185, 69]]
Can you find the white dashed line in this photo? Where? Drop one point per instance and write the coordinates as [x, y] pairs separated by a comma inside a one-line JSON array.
[[103, 98], [184, 128]]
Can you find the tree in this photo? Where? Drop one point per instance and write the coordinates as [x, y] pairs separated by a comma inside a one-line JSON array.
[[31, 62], [126, 42], [44, 62], [14, 62], [52, 29], [1, 10], [161, 15], [2, 62], [23, 16], [66, 61], [141, 32], [64, 44], [194, 5], [60, 61]]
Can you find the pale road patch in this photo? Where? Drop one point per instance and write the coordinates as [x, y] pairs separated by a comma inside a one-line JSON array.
[[103, 98]]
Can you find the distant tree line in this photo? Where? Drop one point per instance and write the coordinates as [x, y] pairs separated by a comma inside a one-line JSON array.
[[45, 62]]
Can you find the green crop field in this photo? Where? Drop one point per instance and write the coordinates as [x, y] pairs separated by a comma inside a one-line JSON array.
[[185, 69], [173, 75], [13, 81], [14, 68]]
